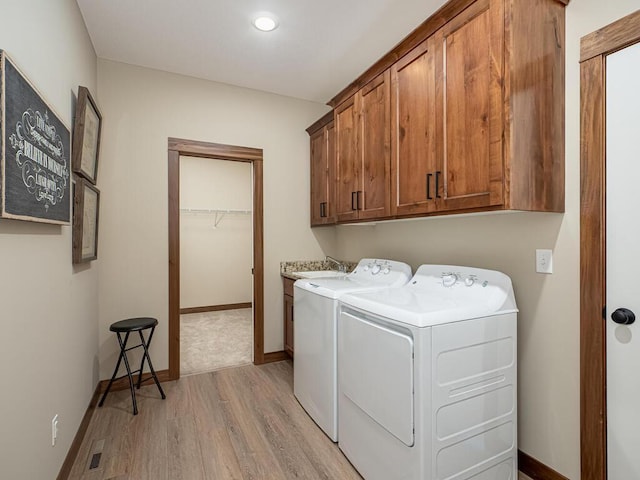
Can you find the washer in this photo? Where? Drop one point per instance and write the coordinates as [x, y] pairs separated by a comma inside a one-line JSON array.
[[427, 377], [315, 305]]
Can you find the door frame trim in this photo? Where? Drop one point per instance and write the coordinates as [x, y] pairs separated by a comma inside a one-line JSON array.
[[214, 151], [594, 49]]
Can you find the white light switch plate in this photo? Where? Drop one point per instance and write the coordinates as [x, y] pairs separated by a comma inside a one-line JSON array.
[[544, 261]]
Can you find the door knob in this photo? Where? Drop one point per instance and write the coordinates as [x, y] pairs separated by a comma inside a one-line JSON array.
[[623, 316]]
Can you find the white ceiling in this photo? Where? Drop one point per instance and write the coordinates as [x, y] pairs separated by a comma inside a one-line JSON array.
[[318, 49]]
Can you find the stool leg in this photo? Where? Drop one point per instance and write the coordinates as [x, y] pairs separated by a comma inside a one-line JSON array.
[[142, 342], [123, 346], [145, 346], [115, 372]]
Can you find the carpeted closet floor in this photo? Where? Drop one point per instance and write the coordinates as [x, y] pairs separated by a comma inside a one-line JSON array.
[[213, 340]]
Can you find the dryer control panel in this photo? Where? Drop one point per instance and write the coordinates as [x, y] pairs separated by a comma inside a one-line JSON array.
[[450, 279]]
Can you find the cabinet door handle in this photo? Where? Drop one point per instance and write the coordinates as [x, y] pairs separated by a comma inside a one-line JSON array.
[[438, 184], [323, 212], [354, 200], [429, 175], [292, 314], [358, 199]]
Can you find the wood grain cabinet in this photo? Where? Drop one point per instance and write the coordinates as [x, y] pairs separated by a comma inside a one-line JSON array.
[[469, 113], [471, 104], [362, 130], [287, 284], [455, 96], [415, 169], [447, 128], [323, 150]]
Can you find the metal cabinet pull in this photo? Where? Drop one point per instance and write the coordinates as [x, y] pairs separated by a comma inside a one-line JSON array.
[[354, 200], [358, 200], [429, 197], [438, 184]]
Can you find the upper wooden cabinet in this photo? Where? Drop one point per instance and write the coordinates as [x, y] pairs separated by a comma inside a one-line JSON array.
[[470, 76], [471, 104], [322, 205], [362, 126], [413, 136]]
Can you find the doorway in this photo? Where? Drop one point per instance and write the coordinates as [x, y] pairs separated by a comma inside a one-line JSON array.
[[595, 48], [216, 284], [178, 148]]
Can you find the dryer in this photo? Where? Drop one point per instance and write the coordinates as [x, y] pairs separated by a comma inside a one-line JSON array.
[[315, 305], [427, 377]]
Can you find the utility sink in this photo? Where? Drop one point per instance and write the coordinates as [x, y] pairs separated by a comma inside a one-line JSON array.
[[320, 273]]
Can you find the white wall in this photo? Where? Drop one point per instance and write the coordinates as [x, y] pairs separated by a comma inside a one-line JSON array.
[[48, 341], [142, 108], [549, 320], [206, 250]]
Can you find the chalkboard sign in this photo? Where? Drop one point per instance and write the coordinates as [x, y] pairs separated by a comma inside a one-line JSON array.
[[36, 183]]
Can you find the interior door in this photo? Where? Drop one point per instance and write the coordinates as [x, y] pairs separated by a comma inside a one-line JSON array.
[[623, 263]]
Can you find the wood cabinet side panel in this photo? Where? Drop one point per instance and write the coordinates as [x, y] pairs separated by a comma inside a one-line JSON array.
[[535, 56]]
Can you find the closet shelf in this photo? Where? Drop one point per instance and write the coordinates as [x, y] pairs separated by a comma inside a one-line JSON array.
[[218, 213]]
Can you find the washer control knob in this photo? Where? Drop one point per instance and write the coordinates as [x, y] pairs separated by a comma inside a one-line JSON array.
[[469, 281], [449, 279], [386, 270], [367, 267], [375, 269]]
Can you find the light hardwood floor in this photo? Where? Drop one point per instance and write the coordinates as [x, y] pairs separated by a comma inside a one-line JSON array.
[[237, 423]]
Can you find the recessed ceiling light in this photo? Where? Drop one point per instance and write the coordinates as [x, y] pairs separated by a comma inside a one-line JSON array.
[[265, 23]]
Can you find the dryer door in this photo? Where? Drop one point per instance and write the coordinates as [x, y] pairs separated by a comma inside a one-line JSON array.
[[376, 373]]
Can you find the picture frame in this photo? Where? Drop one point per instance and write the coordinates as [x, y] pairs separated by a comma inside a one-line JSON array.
[[86, 136], [86, 215], [35, 149]]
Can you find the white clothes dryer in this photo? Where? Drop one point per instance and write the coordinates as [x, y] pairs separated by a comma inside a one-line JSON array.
[[315, 305], [427, 377]]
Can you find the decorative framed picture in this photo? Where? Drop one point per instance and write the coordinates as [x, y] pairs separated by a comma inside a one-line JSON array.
[[35, 153], [86, 136], [86, 209]]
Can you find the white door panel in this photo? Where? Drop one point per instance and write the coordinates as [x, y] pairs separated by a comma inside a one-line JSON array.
[[376, 374], [623, 261]]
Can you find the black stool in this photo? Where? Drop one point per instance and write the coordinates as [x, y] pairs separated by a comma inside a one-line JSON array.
[[126, 327]]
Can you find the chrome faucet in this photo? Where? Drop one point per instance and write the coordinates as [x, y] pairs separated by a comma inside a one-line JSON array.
[[341, 266]]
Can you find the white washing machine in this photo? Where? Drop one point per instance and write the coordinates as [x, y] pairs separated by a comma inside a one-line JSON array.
[[315, 305], [427, 377]]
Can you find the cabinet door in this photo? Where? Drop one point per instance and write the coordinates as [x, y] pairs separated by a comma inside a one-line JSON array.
[[319, 183], [322, 175], [347, 160], [374, 197], [413, 131], [330, 148], [288, 324], [470, 70]]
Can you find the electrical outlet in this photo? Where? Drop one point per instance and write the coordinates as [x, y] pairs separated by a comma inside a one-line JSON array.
[[54, 430], [544, 261]]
